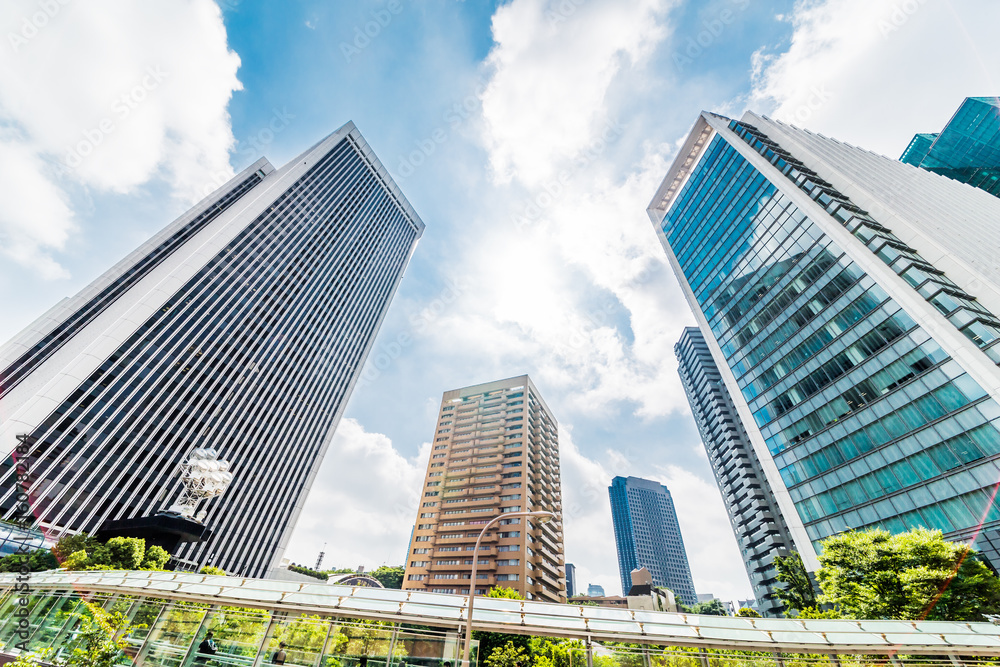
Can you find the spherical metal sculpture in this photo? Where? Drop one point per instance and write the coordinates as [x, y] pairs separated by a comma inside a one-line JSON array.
[[203, 476]]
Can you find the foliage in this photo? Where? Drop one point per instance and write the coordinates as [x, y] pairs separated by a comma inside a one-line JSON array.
[[70, 544], [390, 577], [211, 569], [155, 559], [914, 575], [813, 612], [747, 612], [507, 655], [799, 592], [308, 571], [100, 641], [582, 603], [119, 553], [35, 561], [339, 570], [549, 652], [712, 607], [503, 592]]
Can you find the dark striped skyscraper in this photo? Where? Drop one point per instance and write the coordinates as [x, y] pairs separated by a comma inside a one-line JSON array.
[[241, 327], [648, 535], [753, 512]]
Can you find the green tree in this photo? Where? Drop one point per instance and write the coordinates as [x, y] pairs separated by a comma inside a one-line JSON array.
[[747, 612], [36, 561], [492, 641], [390, 577], [70, 544], [798, 592], [211, 569], [712, 607], [101, 640], [913, 575], [120, 553], [507, 655]]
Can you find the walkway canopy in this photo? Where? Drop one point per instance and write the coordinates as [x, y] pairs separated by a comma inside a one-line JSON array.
[[179, 608]]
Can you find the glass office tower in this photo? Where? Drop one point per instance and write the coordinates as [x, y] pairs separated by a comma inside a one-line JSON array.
[[754, 514], [242, 327], [967, 149], [647, 535], [849, 302]]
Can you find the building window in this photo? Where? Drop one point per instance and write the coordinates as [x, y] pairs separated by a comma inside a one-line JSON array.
[[424, 526], [423, 538], [419, 563], [508, 562], [427, 515], [417, 577], [507, 577], [421, 551], [432, 504]]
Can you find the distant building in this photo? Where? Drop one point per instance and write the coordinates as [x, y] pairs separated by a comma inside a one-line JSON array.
[[570, 580], [644, 595], [754, 514], [706, 597], [495, 452], [647, 535], [617, 601], [595, 590], [967, 149]]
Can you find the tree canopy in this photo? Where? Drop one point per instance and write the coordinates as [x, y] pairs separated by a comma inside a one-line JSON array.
[[914, 575], [798, 592], [389, 576], [712, 607]]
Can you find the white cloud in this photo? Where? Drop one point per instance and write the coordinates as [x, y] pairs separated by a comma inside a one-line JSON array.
[[134, 92], [362, 504], [552, 64], [874, 72]]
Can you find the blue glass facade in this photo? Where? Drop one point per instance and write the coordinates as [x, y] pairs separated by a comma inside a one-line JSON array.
[[647, 535], [869, 422], [967, 149]]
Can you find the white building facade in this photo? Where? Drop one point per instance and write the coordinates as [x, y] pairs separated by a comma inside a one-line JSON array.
[[241, 327]]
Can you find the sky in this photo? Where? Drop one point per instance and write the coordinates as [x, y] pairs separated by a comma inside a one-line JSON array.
[[530, 135]]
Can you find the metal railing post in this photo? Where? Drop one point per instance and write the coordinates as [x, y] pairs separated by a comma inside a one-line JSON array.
[[392, 644], [590, 653]]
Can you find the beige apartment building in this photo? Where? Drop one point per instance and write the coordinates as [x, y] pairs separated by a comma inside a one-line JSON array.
[[495, 452]]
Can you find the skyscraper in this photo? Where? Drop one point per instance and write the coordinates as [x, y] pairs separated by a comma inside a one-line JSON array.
[[848, 301], [242, 326], [753, 512], [967, 149], [647, 535], [496, 451], [570, 580]]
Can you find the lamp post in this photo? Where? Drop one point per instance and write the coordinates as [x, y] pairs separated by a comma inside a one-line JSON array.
[[543, 517]]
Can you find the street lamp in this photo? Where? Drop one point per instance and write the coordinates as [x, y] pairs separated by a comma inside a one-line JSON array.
[[543, 517]]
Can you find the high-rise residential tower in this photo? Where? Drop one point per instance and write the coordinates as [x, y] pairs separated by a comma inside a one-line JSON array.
[[967, 149], [570, 580], [496, 451], [850, 304], [754, 514], [648, 535], [242, 326]]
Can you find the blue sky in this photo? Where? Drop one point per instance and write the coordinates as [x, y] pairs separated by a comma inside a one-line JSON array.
[[528, 134]]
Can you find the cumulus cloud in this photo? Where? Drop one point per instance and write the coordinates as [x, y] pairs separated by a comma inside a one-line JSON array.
[[123, 105], [551, 67], [866, 71], [362, 504]]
